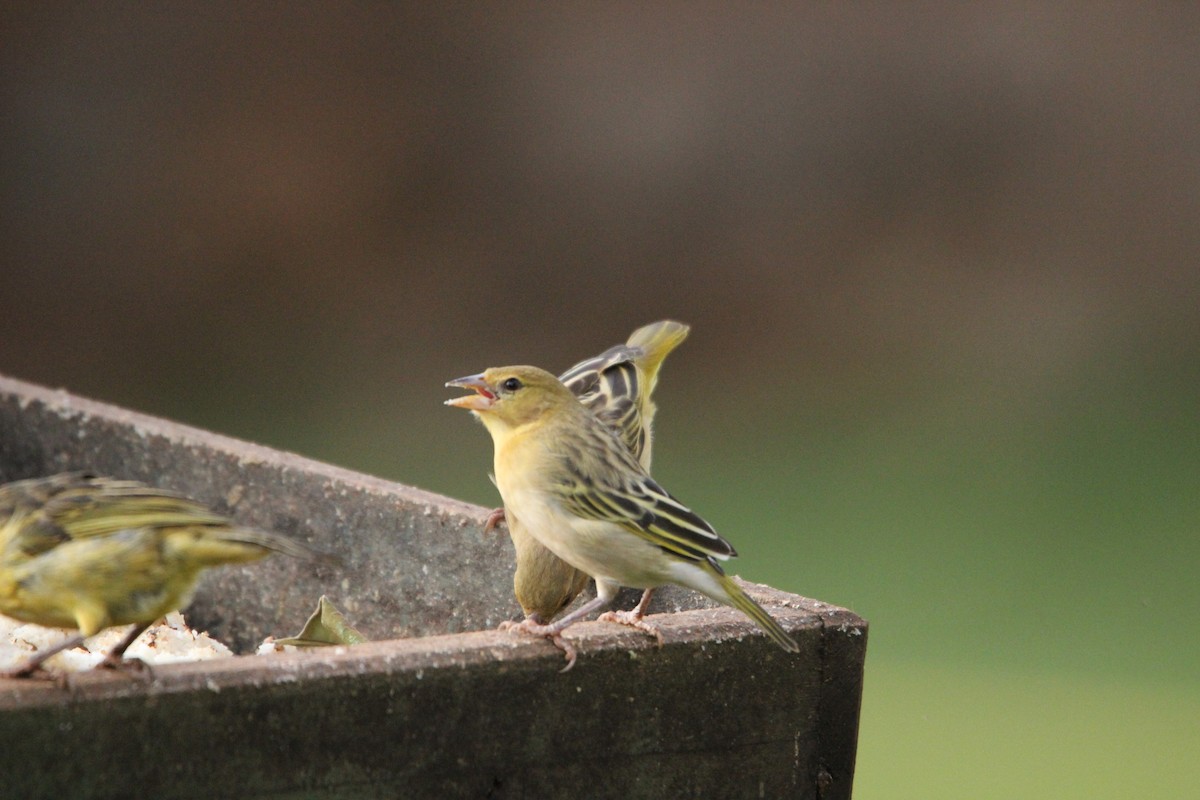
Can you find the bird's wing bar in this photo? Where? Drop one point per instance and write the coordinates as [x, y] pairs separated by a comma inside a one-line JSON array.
[[112, 506], [609, 386], [646, 509], [583, 377]]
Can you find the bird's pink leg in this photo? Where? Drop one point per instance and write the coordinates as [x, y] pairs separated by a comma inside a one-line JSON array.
[[130, 666], [553, 631]]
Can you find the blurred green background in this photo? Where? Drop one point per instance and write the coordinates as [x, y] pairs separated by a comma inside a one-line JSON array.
[[940, 264]]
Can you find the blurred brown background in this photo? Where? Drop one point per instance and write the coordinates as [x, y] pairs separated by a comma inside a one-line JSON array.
[[940, 264]]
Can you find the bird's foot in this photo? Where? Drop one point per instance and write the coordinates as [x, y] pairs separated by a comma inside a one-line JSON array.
[[133, 667], [552, 632], [493, 520], [634, 620], [31, 669]]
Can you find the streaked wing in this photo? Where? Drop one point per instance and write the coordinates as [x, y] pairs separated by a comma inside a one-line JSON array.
[[615, 489], [108, 506], [608, 384], [46, 512]]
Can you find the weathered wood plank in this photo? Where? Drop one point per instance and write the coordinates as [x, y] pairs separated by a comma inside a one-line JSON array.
[[438, 710]]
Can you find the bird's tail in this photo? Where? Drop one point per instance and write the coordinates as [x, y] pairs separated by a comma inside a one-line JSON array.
[[738, 598], [232, 544]]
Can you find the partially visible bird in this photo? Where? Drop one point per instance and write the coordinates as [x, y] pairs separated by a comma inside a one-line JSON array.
[[576, 487], [86, 552], [616, 386]]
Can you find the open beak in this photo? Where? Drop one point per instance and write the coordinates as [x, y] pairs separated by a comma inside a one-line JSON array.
[[483, 398]]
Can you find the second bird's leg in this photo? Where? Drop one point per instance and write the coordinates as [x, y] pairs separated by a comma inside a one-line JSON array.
[[634, 617], [114, 659], [529, 625], [35, 662], [553, 631]]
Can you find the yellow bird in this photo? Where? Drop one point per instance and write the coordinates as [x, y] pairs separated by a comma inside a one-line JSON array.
[[576, 487], [616, 386], [84, 552]]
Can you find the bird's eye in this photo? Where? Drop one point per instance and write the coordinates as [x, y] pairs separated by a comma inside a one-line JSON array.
[[511, 385]]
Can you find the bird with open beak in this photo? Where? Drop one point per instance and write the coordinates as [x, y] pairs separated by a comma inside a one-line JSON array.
[[582, 494]]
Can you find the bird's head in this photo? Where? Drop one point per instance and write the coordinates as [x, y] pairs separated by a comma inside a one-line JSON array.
[[512, 396]]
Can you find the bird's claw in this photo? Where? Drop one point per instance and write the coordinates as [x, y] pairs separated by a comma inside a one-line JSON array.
[[569, 652], [34, 671], [534, 628], [493, 520], [633, 620]]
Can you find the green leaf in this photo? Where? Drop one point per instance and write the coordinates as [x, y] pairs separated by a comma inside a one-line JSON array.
[[325, 627]]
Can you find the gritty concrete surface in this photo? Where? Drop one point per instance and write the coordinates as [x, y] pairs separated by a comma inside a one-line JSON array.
[[445, 706]]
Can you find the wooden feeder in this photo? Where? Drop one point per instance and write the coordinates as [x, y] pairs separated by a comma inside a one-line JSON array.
[[439, 703]]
